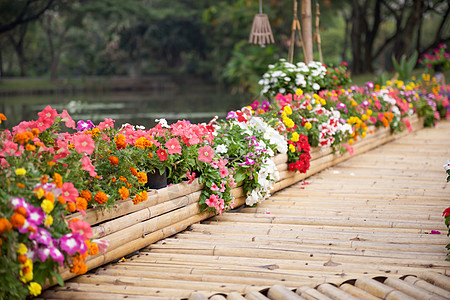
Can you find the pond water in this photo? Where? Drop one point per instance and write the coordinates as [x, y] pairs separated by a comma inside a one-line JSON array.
[[194, 103]]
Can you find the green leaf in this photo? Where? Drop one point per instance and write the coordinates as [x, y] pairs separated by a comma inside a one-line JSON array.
[[58, 278]]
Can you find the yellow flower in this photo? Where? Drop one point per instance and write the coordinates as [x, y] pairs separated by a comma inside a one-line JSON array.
[[48, 220], [26, 277], [22, 249], [323, 102], [47, 206], [34, 288], [308, 125], [388, 82], [21, 171], [350, 142], [299, 92], [39, 193], [365, 117], [295, 137], [363, 134], [309, 107], [354, 104], [288, 122], [291, 148], [287, 109], [410, 105], [369, 112]]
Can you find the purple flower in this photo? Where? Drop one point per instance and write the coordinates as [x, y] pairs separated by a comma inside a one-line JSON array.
[[43, 254], [42, 237], [254, 104], [370, 85], [82, 125], [435, 232], [73, 242], [56, 255], [35, 215], [265, 105]]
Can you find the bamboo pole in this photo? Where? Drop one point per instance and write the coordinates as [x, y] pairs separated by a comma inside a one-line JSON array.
[[307, 30], [280, 292], [424, 285], [317, 34], [255, 296], [357, 292], [310, 293], [437, 279], [334, 292], [410, 289]]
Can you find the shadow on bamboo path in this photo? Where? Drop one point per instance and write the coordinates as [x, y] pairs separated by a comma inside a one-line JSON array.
[[369, 216]]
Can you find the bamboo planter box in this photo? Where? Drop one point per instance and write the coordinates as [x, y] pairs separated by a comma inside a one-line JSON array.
[[169, 210]]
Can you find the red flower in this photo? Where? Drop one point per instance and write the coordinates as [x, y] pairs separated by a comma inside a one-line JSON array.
[[446, 212], [162, 154]]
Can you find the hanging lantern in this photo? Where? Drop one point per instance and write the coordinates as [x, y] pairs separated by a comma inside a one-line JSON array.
[[261, 33]]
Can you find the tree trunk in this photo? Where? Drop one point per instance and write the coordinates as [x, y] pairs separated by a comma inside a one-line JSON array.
[[404, 38], [18, 47], [346, 34], [307, 30], [356, 37]]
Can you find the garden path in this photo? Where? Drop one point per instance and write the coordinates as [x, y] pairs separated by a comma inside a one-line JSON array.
[[369, 216]]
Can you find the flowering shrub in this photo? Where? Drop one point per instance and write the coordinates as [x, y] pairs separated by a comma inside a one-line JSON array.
[[438, 57], [41, 171], [285, 78]]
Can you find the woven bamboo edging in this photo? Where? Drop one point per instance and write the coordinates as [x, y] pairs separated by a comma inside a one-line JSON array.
[[169, 210]]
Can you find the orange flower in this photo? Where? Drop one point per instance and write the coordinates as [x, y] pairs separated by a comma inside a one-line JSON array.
[[121, 178], [113, 160], [30, 147], [61, 200], [20, 185], [22, 211], [2, 118], [81, 203], [5, 225], [150, 155], [57, 179], [144, 195], [137, 199], [124, 192], [129, 185], [93, 249], [140, 142], [51, 163], [120, 141], [50, 196], [142, 177], [133, 171], [72, 207], [17, 220], [100, 197], [44, 179], [114, 179], [23, 137], [22, 258], [86, 195], [35, 131]]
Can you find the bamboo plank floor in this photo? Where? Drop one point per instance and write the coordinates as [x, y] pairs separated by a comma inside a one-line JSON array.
[[369, 216]]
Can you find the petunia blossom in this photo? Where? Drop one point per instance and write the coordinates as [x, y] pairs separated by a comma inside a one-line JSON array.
[[70, 123], [87, 165], [206, 154], [84, 143], [69, 192], [82, 227], [173, 146], [72, 242]]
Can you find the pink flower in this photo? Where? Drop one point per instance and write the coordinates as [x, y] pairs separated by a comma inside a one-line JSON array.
[[435, 232], [223, 172], [68, 119], [69, 192], [173, 146], [407, 124], [206, 154], [214, 187], [24, 126], [190, 176], [86, 164], [212, 201], [48, 112], [84, 143], [107, 123], [82, 227], [72, 242], [349, 148], [222, 187], [162, 154]]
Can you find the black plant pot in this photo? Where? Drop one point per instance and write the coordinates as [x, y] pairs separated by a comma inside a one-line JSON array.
[[155, 180]]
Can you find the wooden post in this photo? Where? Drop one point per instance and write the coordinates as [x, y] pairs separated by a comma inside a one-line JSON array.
[[317, 34], [307, 30]]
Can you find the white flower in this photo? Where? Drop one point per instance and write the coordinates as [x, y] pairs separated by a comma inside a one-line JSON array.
[[163, 122], [316, 86], [221, 149], [447, 165], [140, 127]]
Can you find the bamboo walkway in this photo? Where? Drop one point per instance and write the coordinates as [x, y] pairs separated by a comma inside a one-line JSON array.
[[368, 217]]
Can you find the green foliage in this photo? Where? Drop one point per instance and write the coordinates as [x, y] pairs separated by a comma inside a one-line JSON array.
[[404, 67]]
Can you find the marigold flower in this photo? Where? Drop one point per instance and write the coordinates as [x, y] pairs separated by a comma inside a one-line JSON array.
[[23, 137], [5, 225], [128, 185], [72, 207], [17, 220], [30, 147], [100, 197], [34, 288], [150, 155], [51, 163], [93, 249], [308, 125], [288, 110], [86, 195], [57, 180], [114, 179], [113, 160], [21, 210], [133, 171], [61, 199], [47, 206], [142, 177], [81, 203], [121, 141], [48, 220], [20, 185], [22, 258], [124, 192], [295, 137], [121, 178], [20, 171], [2, 118], [141, 142], [350, 142], [39, 193]]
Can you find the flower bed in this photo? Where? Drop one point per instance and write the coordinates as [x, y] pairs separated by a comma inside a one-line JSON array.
[[68, 194]]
